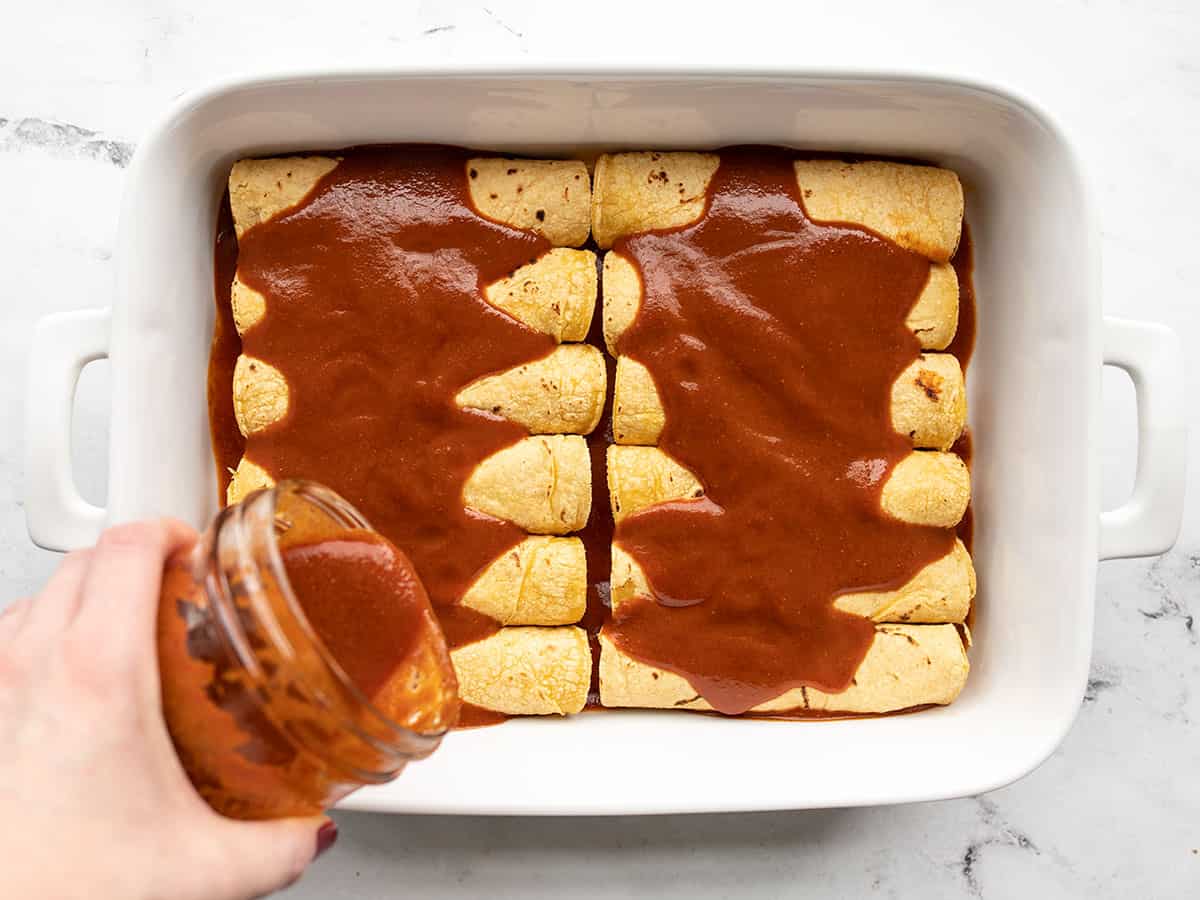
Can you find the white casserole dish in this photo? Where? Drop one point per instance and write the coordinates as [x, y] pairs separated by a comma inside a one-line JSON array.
[[1034, 400]]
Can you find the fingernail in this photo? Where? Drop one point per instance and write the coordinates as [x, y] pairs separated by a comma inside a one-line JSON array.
[[326, 836]]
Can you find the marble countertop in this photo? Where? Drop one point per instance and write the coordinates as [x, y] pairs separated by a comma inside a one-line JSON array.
[[1114, 813]]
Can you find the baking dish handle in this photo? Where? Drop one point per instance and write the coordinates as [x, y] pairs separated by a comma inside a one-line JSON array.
[[57, 516], [1147, 524]]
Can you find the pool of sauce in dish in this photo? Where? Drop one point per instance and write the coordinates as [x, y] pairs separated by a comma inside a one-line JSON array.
[[597, 536], [227, 441], [774, 342], [963, 346]]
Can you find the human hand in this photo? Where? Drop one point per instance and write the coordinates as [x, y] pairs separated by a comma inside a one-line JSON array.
[[96, 802]]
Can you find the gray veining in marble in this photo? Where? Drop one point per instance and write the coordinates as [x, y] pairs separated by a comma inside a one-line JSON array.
[[61, 140]]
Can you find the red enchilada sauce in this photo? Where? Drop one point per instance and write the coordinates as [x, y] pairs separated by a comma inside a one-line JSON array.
[[227, 440], [385, 590], [774, 342], [377, 321], [963, 347], [597, 535]]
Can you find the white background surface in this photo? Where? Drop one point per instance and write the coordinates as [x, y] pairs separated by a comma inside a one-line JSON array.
[[1115, 813]]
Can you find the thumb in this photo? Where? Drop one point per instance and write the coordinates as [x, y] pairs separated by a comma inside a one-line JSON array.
[[267, 856]]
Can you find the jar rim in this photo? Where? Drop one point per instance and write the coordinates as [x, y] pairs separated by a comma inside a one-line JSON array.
[[345, 514]]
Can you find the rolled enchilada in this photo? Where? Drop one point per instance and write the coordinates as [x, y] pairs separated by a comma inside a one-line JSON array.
[[929, 403], [925, 488], [526, 671], [933, 319], [906, 666], [920, 208]]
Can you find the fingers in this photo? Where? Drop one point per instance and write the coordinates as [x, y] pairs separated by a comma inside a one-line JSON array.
[[57, 603], [119, 593], [42, 619], [13, 618], [264, 857]]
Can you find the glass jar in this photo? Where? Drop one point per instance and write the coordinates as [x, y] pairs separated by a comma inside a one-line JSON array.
[[264, 719]]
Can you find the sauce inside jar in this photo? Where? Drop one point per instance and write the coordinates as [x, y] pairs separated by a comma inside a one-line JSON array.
[[299, 656], [364, 600]]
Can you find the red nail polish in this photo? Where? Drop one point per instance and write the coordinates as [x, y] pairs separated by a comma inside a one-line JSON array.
[[326, 837]]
